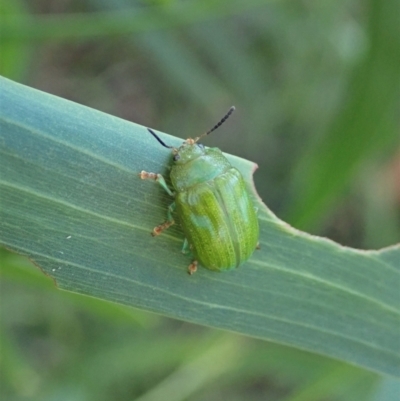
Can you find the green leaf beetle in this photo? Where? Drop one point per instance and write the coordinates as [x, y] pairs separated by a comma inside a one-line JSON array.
[[214, 208]]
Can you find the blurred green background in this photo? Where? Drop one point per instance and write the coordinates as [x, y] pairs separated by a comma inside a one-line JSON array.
[[316, 87]]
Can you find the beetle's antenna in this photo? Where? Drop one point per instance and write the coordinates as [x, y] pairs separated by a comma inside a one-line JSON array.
[[158, 139], [223, 119]]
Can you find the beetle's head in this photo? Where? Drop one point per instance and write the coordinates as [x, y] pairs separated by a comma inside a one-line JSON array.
[[191, 149], [188, 151]]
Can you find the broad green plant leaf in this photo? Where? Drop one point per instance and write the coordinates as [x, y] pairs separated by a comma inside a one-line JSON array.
[[72, 200]]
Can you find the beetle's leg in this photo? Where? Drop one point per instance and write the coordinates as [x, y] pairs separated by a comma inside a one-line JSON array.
[[144, 175], [186, 247], [170, 221], [193, 267], [258, 245]]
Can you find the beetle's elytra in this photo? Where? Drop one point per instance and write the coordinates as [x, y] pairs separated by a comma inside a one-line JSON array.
[[212, 204]]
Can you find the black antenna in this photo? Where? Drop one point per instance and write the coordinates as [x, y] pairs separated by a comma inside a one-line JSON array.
[[158, 139], [230, 111]]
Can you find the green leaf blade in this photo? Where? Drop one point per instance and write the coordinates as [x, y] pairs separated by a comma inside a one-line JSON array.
[[72, 200]]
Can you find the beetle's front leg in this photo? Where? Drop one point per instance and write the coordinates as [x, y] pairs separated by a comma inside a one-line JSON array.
[[144, 175]]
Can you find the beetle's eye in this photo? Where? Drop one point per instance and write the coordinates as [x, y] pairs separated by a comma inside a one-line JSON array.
[[200, 145], [176, 157]]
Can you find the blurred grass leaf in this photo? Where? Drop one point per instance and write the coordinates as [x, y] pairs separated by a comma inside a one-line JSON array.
[[73, 202], [365, 124], [129, 20], [15, 55]]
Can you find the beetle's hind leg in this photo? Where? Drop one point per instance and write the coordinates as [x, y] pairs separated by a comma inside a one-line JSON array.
[[186, 247], [144, 175], [193, 267], [170, 221]]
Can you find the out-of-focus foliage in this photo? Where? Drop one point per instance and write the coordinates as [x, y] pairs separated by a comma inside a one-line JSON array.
[[316, 88], [15, 56]]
